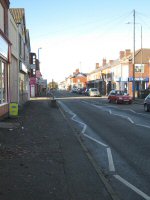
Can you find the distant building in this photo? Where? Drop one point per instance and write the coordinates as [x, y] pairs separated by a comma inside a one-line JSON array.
[[78, 80]]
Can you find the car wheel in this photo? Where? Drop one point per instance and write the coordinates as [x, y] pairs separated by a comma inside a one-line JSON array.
[[146, 108]]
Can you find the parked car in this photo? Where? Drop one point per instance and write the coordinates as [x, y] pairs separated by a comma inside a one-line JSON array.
[[80, 90], [74, 90], [119, 96], [94, 92], [147, 103]]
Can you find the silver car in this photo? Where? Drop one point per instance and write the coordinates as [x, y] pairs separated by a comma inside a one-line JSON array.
[[94, 92]]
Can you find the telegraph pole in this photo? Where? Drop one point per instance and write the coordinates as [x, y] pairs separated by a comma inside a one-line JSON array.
[[133, 54], [141, 56]]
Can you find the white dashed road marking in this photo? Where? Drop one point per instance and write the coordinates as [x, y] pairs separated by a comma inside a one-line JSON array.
[[109, 153], [110, 160], [132, 187]]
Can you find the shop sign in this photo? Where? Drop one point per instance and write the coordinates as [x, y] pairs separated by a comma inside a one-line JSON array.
[[139, 68], [42, 82], [32, 81], [3, 47], [139, 79], [23, 67], [32, 66], [38, 74]]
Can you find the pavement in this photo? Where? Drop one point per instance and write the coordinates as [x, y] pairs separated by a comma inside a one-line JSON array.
[[138, 101], [43, 158]]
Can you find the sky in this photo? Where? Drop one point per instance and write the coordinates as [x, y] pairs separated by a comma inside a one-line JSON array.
[[72, 34]]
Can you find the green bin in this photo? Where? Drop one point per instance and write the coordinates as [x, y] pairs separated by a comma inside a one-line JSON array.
[[13, 109]]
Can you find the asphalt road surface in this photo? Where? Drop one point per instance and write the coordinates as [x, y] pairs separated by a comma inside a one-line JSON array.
[[117, 137]]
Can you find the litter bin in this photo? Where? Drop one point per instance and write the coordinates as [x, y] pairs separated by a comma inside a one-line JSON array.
[[13, 109]]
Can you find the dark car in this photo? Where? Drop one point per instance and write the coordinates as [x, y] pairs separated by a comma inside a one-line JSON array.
[[119, 96], [147, 103], [86, 93], [81, 90]]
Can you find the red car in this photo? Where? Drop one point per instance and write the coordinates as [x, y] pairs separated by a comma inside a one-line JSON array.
[[119, 96]]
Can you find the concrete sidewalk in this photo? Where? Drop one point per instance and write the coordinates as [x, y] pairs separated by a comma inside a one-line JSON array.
[[42, 159]]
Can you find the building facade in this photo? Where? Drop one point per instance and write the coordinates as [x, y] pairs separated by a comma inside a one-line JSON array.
[[4, 58], [14, 65], [24, 49], [118, 74], [78, 80]]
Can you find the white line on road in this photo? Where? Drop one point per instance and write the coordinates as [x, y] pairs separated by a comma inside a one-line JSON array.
[[95, 140], [130, 120], [125, 117], [73, 116], [130, 110], [143, 125], [84, 129], [111, 113], [110, 160], [77, 120], [132, 187], [83, 124]]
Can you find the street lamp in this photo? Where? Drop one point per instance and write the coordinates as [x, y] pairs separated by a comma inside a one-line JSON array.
[[38, 52], [134, 55]]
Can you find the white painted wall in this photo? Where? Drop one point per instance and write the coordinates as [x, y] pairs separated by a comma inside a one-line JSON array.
[[14, 65]]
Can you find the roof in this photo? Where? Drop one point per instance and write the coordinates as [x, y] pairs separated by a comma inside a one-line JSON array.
[[142, 56], [79, 75], [95, 71], [18, 14]]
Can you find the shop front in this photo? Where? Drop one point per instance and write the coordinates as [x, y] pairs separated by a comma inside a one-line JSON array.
[[4, 86], [141, 84], [33, 88]]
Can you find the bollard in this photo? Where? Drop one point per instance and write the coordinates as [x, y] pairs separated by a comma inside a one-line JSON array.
[[53, 103]]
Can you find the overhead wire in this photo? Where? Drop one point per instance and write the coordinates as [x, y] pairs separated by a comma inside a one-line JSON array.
[[103, 22]]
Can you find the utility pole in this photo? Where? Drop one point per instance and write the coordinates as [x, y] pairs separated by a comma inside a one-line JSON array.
[[141, 56], [133, 54]]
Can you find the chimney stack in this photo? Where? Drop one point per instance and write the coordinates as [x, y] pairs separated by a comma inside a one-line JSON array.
[[111, 62], [121, 54], [127, 52], [77, 71], [97, 65], [104, 62]]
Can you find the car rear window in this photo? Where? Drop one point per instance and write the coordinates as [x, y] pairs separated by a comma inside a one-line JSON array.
[[94, 90], [121, 93]]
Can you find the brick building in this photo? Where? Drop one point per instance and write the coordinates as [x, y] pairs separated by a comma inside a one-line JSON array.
[[78, 80]]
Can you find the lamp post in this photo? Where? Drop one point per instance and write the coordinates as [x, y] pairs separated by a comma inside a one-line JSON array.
[[133, 54], [134, 51], [38, 52], [141, 55]]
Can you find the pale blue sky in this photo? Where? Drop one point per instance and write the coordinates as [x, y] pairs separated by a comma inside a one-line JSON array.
[[78, 33]]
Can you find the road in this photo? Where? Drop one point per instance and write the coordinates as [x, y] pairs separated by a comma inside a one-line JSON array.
[[117, 137]]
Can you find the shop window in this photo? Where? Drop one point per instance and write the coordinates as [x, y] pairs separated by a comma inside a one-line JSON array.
[[22, 83], [3, 87], [1, 18]]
